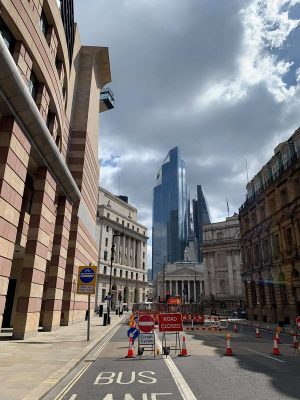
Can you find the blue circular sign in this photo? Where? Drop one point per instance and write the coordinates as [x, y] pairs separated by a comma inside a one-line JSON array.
[[133, 333], [87, 275]]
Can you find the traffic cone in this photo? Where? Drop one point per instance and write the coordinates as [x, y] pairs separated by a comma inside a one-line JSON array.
[[130, 353], [295, 341], [235, 329], [257, 333], [228, 347], [277, 338], [276, 351], [183, 349]]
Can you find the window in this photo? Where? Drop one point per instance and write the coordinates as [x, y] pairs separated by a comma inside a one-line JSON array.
[[121, 273], [44, 24], [137, 229], [143, 254], [8, 38], [115, 271], [33, 85], [128, 224], [107, 228], [126, 274], [137, 277], [144, 244], [105, 270], [289, 239], [122, 222], [131, 275], [276, 245], [143, 277], [28, 194], [108, 215], [106, 242], [105, 255], [133, 227], [284, 197], [117, 219], [272, 205], [143, 265], [262, 212], [266, 249], [257, 254]]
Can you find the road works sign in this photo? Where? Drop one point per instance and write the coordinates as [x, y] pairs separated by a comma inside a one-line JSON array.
[[86, 279], [170, 322], [146, 323], [298, 322]]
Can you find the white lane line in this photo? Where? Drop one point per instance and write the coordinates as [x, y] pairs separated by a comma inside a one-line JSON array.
[[67, 388], [181, 383], [247, 348], [262, 354], [73, 397]]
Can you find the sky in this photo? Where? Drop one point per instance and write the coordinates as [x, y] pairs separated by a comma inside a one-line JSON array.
[[220, 79]]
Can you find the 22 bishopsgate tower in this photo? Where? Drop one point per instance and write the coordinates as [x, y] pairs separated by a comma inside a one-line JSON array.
[[170, 212]]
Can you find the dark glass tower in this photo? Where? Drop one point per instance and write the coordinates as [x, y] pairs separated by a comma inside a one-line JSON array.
[[201, 217], [170, 212]]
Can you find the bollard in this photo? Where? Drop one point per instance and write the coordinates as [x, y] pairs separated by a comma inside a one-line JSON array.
[[100, 311], [108, 320], [104, 319]]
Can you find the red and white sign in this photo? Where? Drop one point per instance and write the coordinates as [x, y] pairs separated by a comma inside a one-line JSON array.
[[170, 322], [298, 322], [146, 323]]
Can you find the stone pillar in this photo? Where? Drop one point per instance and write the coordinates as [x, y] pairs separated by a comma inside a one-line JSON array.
[[239, 284], [195, 291], [27, 317], [230, 274], [14, 157], [206, 261], [123, 262], [292, 306], [128, 251], [57, 266], [134, 253], [138, 254], [189, 291], [213, 276], [176, 288]]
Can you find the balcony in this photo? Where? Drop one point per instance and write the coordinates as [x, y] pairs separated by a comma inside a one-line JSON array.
[[107, 101]]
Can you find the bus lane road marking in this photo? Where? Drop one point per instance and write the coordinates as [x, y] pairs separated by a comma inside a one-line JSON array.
[[183, 387]]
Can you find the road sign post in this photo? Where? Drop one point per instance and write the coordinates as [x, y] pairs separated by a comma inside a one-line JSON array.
[[86, 285]]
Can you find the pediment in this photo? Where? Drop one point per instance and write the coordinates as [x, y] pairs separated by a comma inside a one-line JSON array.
[[181, 272]]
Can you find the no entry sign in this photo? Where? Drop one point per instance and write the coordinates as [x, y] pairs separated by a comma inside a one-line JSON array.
[[170, 322], [146, 323], [298, 322]]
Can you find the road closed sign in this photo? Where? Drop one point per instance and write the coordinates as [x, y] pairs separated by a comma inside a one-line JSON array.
[[170, 322], [86, 279]]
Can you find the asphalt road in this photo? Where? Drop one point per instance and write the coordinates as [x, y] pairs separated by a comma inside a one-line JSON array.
[[251, 373]]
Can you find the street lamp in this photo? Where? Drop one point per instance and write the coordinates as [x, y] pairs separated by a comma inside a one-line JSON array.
[[111, 266]]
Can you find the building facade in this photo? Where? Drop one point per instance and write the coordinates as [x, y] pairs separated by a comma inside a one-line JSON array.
[[185, 279], [222, 263], [170, 227], [122, 238], [49, 120], [270, 236], [201, 216]]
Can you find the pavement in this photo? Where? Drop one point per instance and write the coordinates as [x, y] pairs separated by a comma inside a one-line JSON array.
[[30, 368]]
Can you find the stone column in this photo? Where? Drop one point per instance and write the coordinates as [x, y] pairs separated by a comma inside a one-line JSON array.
[[123, 250], [134, 253], [206, 263], [128, 251], [239, 284], [14, 157], [27, 317], [176, 288], [57, 266], [138, 254], [195, 291], [213, 276], [230, 273]]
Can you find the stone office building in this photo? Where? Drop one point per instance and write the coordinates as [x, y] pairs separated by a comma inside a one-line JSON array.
[[122, 237], [49, 119], [222, 263], [270, 236]]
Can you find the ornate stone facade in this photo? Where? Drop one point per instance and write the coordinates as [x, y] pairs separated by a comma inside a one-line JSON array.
[[270, 237], [117, 225], [222, 259]]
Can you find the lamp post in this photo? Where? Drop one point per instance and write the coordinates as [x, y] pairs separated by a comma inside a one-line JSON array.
[[111, 266]]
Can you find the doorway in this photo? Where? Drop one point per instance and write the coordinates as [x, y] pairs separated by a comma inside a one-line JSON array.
[[6, 323]]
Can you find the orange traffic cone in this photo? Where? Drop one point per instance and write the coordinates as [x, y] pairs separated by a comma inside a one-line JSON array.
[[228, 347], [257, 333], [276, 351], [295, 341], [130, 353], [235, 329], [183, 349]]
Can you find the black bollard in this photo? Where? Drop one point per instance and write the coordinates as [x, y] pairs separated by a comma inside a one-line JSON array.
[[100, 311], [104, 319]]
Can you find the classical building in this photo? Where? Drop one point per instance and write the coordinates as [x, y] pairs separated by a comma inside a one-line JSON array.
[[122, 246], [270, 236], [222, 263], [201, 216], [185, 279], [170, 212], [49, 121]]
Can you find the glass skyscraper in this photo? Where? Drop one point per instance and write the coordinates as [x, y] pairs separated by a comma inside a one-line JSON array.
[[170, 212], [201, 216]]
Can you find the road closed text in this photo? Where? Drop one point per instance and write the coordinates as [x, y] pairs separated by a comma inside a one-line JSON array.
[[170, 322]]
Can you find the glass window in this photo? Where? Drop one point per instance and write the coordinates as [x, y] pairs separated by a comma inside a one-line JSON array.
[[137, 277], [107, 228], [126, 274], [121, 273], [105, 270], [105, 255], [33, 85], [115, 271], [8, 38], [44, 24], [131, 275]]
